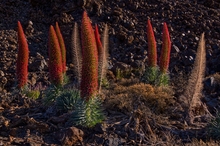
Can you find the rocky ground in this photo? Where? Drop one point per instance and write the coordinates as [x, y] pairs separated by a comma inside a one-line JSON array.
[[24, 121]]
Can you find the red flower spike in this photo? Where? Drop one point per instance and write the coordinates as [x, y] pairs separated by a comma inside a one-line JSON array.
[[98, 41], [100, 56], [62, 46], [22, 60], [89, 82], [165, 53], [100, 49], [152, 48], [55, 59]]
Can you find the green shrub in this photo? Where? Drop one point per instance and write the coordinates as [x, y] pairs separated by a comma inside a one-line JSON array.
[[50, 94], [67, 100], [87, 113], [34, 94], [214, 127]]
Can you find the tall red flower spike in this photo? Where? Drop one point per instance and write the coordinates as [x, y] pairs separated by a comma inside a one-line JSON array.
[[89, 82], [62, 46], [55, 59], [152, 48], [22, 60], [166, 47]]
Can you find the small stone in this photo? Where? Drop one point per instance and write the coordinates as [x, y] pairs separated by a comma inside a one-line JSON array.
[[39, 56], [130, 39], [100, 128], [3, 81], [70, 136], [1, 108], [33, 80], [2, 73], [121, 36], [110, 75], [190, 58], [176, 48], [137, 64], [38, 65], [210, 85], [117, 12], [29, 30], [121, 65]]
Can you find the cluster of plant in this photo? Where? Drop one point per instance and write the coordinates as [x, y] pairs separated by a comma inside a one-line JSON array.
[[90, 65], [153, 74], [57, 56]]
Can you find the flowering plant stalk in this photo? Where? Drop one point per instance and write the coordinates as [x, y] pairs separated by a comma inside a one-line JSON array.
[[88, 110], [151, 72], [165, 56], [165, 53], [152, 47], [102, 57], [55, 59], [22, 60], [89, 81], [62, 46]]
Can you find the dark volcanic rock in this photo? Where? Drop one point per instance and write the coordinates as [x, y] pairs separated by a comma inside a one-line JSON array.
[[127, 21], [70, 136]]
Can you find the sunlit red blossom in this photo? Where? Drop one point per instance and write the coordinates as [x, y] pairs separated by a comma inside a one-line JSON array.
[[55, 59], [165, 52], [89, 83], [22, 59], [152, 48], [62, 46]]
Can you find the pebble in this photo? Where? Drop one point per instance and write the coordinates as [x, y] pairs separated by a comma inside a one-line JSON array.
[[176, 48], [130, 39], [70, 136], [2, 73]]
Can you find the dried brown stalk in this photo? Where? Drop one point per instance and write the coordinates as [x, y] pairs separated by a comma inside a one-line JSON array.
[[192, 95], [76, 53]]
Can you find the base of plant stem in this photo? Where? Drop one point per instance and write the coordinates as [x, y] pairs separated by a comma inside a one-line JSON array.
[[65, 79], [67, 100], [87, 113], [153, 76], [34, 94], [51, 93], [163, 79], [150, 75], [30, 93], [103, 83]]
